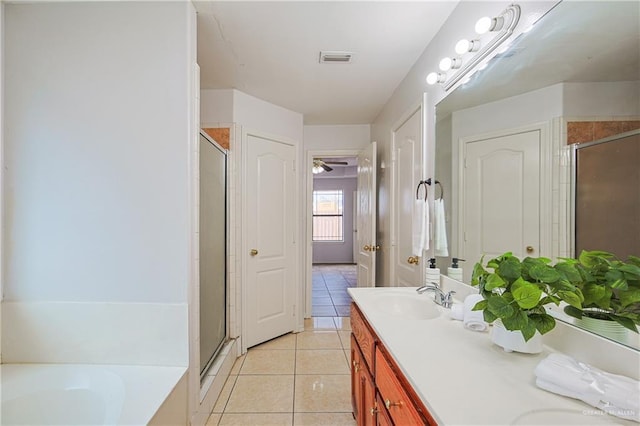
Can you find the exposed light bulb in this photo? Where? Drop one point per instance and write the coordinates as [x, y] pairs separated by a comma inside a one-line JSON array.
[[445, 64], [436, 77], [484, 25], [462, 46], [317, 169]]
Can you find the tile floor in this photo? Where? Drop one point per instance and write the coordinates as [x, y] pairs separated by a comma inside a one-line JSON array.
[[329, 292], [295, 379]]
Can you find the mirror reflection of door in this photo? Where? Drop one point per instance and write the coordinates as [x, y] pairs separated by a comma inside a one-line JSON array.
[[501, 196]]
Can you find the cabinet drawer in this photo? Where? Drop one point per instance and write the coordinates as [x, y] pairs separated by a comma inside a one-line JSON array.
[[363, 335], [402, 409]]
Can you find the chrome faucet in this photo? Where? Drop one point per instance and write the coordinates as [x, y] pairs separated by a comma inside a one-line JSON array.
[[440, 297]]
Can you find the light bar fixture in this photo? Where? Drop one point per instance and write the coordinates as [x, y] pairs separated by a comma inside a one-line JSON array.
[[491, 33]]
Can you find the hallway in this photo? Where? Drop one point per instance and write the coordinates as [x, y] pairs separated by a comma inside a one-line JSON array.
[[329, 293]]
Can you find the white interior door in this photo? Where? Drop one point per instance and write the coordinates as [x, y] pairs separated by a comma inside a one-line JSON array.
[[501, 200], [366, 217], [408, 151], [270, 250]]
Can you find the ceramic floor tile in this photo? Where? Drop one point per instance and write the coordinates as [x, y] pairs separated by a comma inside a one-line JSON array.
[[321, 361], [261, 394], [225, 393], [319, 340], [266, 361], [321, 300], [320, 323], [213, 419], [323, 311], [254, 419], [323, 419], [288, 341], [237, 365], [345, 338], [343, 323], [323, 393], [343, 310]]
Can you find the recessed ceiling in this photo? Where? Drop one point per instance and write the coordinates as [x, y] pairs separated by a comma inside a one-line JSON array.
[[270, 50]]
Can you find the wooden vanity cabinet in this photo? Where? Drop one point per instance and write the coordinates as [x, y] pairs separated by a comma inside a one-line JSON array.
[[381, 395]]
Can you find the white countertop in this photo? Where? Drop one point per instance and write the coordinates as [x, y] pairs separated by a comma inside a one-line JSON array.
[[461, 376]]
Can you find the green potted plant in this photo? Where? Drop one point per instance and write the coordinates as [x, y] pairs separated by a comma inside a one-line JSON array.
[[611, 290], [515, 293]]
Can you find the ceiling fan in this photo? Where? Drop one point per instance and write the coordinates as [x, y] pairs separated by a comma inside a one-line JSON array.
[[320, 165]]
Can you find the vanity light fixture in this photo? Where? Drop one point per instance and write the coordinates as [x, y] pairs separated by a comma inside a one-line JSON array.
[[316, 169], [465, 46], [436, 77], [447, 63], [477, 51]]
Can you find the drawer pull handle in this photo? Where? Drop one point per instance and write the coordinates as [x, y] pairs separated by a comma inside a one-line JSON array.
[[390, 404], [373, 411], [356, 366]]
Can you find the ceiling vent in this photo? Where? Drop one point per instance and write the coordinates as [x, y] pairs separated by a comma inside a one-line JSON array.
[[335, 57]]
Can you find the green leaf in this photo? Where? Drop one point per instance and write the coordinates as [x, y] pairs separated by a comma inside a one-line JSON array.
[[488, 316], [629, 296], [528, 331], [480, 305], [478, 272], [550, 299], [594, 257], [544, 273], [633, 270], [494, 281], [563, 284], [526, 295], [573, 312], [571, 298], [569, 271], [499, 307], [544, 323], [510, 268], [515, 322], [592, 293]]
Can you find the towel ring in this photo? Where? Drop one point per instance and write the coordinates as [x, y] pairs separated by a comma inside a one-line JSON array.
[[426, 190], [428, 182]]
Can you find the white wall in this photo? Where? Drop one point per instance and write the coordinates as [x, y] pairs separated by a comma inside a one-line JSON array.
[[618, 99], [336, 137], [337, 251], [96, 151], [234, 106]]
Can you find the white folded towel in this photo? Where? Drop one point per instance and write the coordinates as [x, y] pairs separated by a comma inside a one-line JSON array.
[[420, 221], [614, 394], [473, 320], [440, 245]]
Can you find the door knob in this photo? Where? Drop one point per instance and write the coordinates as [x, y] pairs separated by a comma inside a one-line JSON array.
[[366, 248], [413, 260], [529, 249], [253, 252]]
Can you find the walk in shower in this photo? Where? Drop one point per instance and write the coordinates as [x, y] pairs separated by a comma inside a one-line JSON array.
[[213, 250]]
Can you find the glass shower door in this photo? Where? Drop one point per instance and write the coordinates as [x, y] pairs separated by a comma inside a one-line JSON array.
[[213, 250]]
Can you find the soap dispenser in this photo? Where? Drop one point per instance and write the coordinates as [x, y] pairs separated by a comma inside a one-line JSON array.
[[432, 274], [455, 271]]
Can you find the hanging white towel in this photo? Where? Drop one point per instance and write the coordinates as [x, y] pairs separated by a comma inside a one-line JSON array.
[[440, 245], [420, 220]]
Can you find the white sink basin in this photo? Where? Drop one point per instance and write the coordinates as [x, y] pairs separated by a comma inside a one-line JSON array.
[[406, 305], [590, 416]]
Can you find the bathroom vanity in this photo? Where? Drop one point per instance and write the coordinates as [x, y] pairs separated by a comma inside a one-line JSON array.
[[411, 364]]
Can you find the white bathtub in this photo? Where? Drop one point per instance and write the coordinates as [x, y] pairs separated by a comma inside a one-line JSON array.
[[67, 394]]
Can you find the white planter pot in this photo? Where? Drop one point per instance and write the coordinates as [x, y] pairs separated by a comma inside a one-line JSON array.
[[512, 341], [604, 328]]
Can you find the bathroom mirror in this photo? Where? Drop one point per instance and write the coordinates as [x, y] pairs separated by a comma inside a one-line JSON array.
[[574, 77]]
